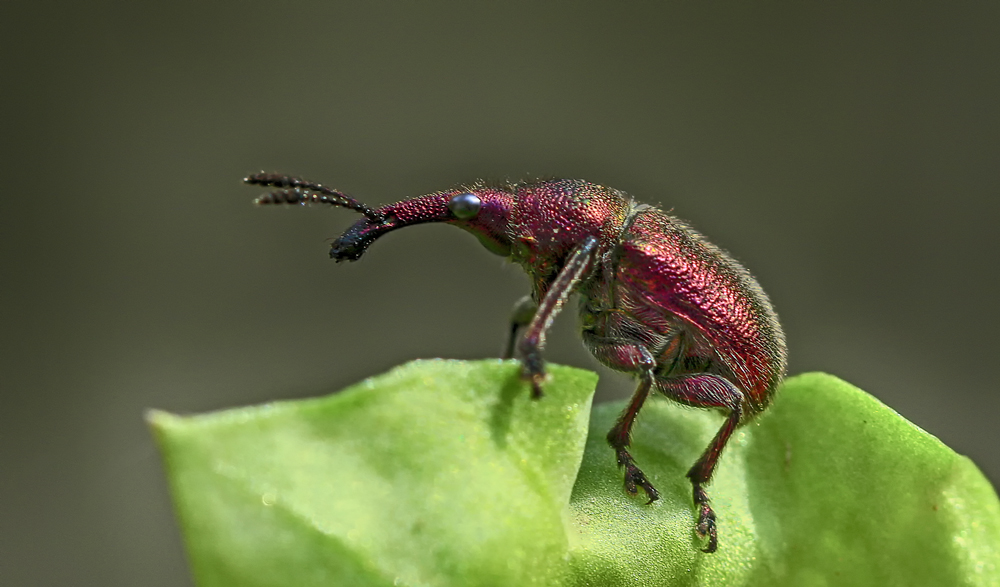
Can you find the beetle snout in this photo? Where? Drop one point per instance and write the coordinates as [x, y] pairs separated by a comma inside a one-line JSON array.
[[355, 240], [345, 251]]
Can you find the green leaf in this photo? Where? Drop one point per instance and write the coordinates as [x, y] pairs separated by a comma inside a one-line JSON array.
[[830, 487], [446, 473], [438, 473]]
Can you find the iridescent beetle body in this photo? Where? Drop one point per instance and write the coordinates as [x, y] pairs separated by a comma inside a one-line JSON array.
[[658, 301]]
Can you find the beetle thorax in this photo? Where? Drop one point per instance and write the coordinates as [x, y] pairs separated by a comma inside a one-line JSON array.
[[552, 217]]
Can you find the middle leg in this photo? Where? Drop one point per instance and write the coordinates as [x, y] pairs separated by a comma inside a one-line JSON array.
[[625, 355]]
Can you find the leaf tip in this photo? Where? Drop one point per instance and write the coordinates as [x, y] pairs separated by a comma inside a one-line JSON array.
[[160, 420]]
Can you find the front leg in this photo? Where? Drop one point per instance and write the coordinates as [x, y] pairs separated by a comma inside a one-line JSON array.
[[530, 347]]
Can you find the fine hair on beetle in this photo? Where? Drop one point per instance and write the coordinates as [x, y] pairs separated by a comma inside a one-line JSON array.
[[657, 300]]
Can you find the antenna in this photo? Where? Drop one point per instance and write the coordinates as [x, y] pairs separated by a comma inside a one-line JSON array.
[[300, 191]]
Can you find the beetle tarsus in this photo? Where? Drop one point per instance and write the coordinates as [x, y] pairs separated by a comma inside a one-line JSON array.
[[536, 389], [706, 519], [635, 478], [534, 373]]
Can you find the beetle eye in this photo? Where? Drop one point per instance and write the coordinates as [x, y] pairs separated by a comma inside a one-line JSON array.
[[465, 205]]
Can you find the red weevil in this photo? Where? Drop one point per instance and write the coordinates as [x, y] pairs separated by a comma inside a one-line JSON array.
[[657, 300]]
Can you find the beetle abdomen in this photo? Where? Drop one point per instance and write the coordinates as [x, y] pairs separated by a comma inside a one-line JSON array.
[[665, 266]]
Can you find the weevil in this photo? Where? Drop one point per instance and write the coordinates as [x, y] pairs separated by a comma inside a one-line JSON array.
[[657, 300]]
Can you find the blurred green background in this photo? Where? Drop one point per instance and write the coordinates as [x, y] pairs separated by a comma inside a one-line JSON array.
[[847, 154]]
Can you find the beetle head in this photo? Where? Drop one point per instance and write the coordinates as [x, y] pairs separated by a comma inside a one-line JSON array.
[[480, 209]]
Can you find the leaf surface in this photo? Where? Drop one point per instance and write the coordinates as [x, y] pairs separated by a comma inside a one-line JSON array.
[[446, 473]]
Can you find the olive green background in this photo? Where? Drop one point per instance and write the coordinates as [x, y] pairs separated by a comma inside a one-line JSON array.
[[847, 154]]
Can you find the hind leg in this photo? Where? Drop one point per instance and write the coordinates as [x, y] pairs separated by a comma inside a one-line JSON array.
[[706, 390]]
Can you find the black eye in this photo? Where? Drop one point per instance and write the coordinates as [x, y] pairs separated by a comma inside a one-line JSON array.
[[465, 205]]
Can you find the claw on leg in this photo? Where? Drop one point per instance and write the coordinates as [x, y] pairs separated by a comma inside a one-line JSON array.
[[635, 478], [536, 386], [534, 374]]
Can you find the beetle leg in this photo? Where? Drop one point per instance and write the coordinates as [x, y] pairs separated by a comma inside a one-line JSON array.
[[520, 316], [531, 345], [706, 390], [625, 355], [620, 436]]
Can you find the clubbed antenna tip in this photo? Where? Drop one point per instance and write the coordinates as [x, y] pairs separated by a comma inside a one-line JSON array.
[[300, 191]]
